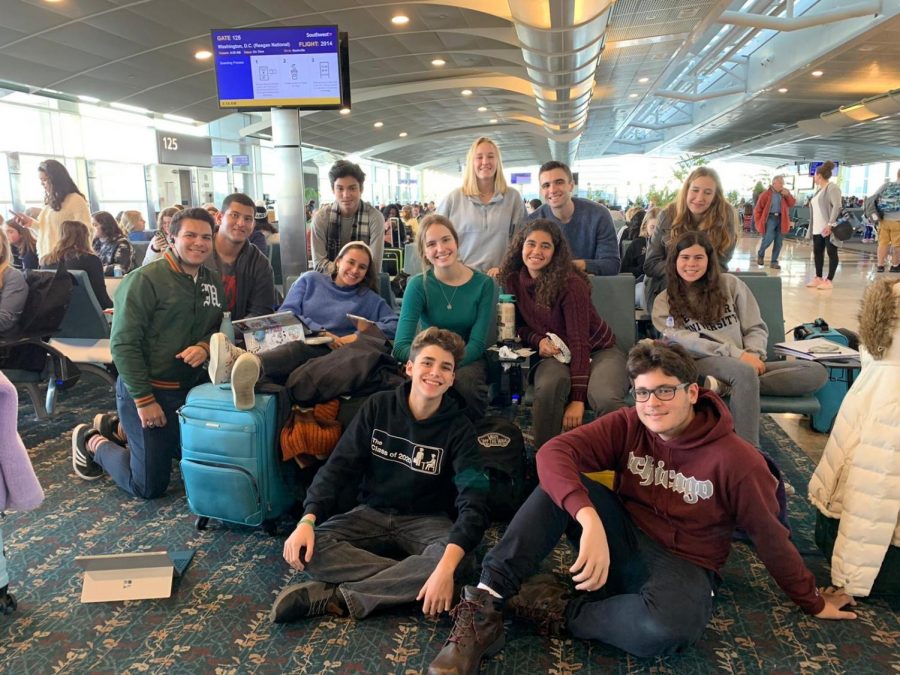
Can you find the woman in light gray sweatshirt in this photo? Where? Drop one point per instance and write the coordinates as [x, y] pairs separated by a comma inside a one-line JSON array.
[[715, 317]]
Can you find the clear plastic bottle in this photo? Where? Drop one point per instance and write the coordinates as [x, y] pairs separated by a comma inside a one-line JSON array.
[[506, 318], [227, 327]]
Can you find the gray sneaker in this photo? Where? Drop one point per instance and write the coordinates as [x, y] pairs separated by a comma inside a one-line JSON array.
[[222, 356], [717, 386], [307, 599]]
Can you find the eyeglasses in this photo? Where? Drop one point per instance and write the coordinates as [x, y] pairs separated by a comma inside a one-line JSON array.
[[663, 393]]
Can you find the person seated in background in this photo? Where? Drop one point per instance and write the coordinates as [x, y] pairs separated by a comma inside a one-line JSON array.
[[856, 486], [111, 245], [74, 251], [323, 303], [716, 318], [246, 273], [649, 552], [260, 221], [211, 208], [23, 244], [586, 225], [410, 223], [160, 241], [159, 342], [554, 315], [346, 219], [134, 226], [451, 295], [423, 499], [533, 205], [633, 260], [13, 290]]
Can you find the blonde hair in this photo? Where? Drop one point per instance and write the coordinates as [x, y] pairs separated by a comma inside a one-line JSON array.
[[719, 222], [426, 222], [651, 214], [74, 239], [470, 182], [128, 220], [5, 254]]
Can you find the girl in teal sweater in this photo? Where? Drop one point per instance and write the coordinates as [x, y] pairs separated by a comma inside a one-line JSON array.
[[452, 296]]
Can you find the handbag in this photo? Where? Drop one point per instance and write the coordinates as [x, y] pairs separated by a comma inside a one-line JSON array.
[[843, 227]]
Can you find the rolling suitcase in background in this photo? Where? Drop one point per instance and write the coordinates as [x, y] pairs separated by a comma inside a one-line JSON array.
[[840, 379], [229, 460]]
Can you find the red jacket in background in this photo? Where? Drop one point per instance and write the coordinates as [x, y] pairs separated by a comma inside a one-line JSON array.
[[687, 494], [761, 210]]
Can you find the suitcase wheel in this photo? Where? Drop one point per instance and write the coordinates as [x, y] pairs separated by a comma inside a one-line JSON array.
[[270, 527], [202, 522]]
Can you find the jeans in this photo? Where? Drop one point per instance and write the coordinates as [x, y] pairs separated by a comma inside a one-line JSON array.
[[471, 382], [773, 234], [144, 468], [654, 603], [782, 378], [352, 549], [277, 364], [820, 244], [552, 383]]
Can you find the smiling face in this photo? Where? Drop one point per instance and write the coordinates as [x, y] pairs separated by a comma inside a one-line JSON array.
[[701, 195], [236, 222], [347, 193], [537, 251], [193, 243], [440, 247], [691, 263], [556, 188], [351, 267], [669, 419], [485, 161], [431, 373], [165, 222]]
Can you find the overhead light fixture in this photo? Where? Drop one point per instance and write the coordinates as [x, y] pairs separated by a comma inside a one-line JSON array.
[[344, 111], [88, 99], [644, 80], [466, 92], [494, 121], [400, 20], [378, 125], [438, 62], [130, 108], [403, 134], [179, 118], [202, 54], [482, 108], [783, 90], [632, 95], [817, 73]]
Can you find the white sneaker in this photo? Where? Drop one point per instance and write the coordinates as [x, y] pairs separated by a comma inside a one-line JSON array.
[[244, 377], [815, 283], [222, 356]]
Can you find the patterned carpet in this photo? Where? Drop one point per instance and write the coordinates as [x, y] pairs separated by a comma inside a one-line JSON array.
[[215, 622]]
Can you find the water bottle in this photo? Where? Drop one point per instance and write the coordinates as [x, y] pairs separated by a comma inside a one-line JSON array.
[[227, 327], [118, 271], [506, 318]]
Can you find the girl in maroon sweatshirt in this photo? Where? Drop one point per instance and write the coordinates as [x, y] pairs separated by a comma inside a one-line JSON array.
[[554, 315]]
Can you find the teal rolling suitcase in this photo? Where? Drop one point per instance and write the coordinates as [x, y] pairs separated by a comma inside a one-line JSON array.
[[228, 459]]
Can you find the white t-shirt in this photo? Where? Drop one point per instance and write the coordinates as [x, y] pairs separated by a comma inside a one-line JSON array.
[[820, 210]]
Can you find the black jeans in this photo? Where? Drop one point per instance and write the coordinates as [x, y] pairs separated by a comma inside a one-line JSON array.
[[278, 363], [820, 244], [654, 603]]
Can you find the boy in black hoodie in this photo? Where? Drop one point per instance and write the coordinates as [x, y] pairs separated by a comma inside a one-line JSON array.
[[414, 455]]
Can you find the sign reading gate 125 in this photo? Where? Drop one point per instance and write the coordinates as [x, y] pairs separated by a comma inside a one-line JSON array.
[[271, 67]]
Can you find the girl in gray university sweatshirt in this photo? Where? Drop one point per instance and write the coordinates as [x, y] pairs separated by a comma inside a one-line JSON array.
[[715, 317]]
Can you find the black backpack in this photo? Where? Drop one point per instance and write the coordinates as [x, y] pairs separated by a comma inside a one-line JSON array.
[[503, 455], [49, 295]]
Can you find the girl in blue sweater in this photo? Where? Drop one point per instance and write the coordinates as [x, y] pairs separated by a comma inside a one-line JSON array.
[[322, 302]]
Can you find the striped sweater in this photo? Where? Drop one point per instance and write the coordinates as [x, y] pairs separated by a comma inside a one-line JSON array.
[[572, 317]]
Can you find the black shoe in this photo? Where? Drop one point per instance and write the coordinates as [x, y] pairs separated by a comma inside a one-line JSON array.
[[879, 268], [8, 602], [108, 425], [477, 632], [310, 598], [82, 459], [760, 260], [895, 269], [542, 601]]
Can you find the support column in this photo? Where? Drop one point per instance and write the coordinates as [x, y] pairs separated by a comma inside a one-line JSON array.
[[289, 198]]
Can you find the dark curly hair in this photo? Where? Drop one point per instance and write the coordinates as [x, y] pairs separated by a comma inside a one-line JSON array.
[[703, 300], [555, 277]]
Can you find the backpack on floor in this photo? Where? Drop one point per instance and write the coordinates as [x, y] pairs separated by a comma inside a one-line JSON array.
[[503, 455]]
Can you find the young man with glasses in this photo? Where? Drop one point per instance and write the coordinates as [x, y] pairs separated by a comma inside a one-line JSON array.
[[648, 552]]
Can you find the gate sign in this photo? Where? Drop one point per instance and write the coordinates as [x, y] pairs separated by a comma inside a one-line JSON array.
[[520, 178], [815, 165]]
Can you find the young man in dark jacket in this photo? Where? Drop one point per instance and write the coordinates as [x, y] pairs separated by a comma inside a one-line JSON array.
[[414, 455], [160, 340], [246, 273], [655, 545]]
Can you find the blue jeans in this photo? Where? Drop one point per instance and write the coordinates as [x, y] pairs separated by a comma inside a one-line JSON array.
[[353, 549], [654, 603], [144, 468], [773, 233]]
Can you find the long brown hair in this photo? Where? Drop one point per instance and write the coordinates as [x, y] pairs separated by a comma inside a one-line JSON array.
[[74, 239], [554, 278], [61, 183], [719, 221], [371, 278], [704, 300], [27, 241]]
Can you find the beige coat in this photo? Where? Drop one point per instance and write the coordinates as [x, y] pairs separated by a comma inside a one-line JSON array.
[[74, 207]]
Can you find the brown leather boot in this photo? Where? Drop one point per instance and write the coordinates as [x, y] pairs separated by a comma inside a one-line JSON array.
[[477, 632], [542, 600]]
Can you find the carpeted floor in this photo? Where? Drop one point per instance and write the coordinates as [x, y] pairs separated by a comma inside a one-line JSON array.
[[216, 619]]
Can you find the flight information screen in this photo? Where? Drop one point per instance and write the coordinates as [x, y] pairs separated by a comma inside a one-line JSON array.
[[270, 67]]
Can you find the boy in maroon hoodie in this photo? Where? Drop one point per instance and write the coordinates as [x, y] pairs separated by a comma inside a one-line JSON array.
[[648, 552]]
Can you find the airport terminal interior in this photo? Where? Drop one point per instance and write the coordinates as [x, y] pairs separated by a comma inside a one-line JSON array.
[[154, 104]]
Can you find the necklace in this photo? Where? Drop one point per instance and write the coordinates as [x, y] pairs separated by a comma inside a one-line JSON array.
[[450, 301]]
